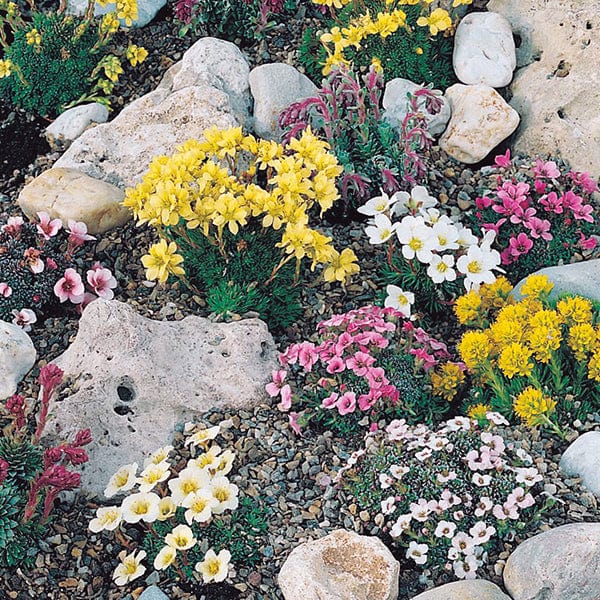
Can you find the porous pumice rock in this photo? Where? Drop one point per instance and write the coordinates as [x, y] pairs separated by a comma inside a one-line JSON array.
[[17, 356], [559, 564], [340, 566], [582, 459], [484, 50], [481, 119], [70, 194], [147, 10], [473, 589], [207, 88], [274, 87], [557, 92], [579, 279], [395, 104], [69, 125], [133, 380]]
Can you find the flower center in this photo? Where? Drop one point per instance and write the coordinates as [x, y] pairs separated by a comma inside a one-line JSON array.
[[474, 267], [415, 244]]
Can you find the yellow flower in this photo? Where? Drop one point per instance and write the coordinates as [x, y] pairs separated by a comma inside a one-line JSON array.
[[110, 23], [162, 259], [6, 68], [459, 2], [438, 20], [418, 50], [545, 318], [594, 366], [542, 341], [181, 538], [474, 349], [446, 381], [376, 64], [575, 309], [533, 407], [495, 295], [332, 3], [230, 211], [582, 340], [136, 54], [515, 360], [214, 567], [127, 10], [33, 37], [130, 567], [112, 67], [479, 411], [537, 286], [342, 266], [467, 307], [106, 86], [505, 332]]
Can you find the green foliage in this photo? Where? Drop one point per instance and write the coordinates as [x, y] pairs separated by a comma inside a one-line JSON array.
[[24, 459], [57, 72], [397, 52], [238, 287]]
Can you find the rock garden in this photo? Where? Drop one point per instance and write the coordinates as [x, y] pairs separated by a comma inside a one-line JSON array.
[[300, 300]]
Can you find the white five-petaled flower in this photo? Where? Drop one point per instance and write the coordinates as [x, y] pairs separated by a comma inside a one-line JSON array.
[[399, 299], [441, 269], [481, 533], [130, 567], [225, 493], [416, 238], [381, 230], [377, 205], [445, 529], [418, 552], [199, 506], [190, 480], [181, 538], [478, 264], [142, 506], [152, 475], [122, 481], [214, 567], [107, 518], [401, 525], [165, 558]]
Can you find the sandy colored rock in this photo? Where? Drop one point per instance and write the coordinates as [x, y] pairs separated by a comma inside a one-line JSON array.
[[481, 119], [209, 87], [484, 50], [474, 589], [340, 566], [17, 356], [560, 564], [70, 194], [557, 93], [274, 87], [132, 380]]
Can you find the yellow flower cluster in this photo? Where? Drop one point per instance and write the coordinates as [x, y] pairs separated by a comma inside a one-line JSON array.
[[446, 380], [477, 308], [533, 407], [6, 68], [479, 411], [33, 37], [229, 179], [332, 3], [127, 10], [136, 55]]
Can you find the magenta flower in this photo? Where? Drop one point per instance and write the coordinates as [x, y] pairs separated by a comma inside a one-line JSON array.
[[503, 160], [587, 243], [483, 202], [552, 203], [583, 180], [539, 228], [519, 245], [366, 401], [3, 470], [545, 169], [78, 234], [346, 404], [571, 200], [5, 290], [583, 213], [24, 318], [102, 282], [336, 365], [540, 186], [376, 377], [48, 228], [70, 287], [274, 388]]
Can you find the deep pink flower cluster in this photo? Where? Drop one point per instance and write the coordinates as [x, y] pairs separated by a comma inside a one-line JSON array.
[[536, 208], [343, 367]]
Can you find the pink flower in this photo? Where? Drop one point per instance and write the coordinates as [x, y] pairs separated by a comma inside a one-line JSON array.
[[307, 355], [336, 365], [503, 160], [32, 258], [5, 290], [366, 401], [24, 318], [290, 356], [70, 287], [286, 398], [539, 228], [347, 403], [51, 264], [584, 243], [274, 388], [571, 200], [584, 213], [48, 228], [330, 401], [521, 498], [483, 202], [540, 186], [102, 282], [583, 180], [552, 203], [376, 377], [78, 234], [13, 226], [360, 363], [293, 420], [3, 470], [546, 169], [428, 361], [520, 245], [494, 226]]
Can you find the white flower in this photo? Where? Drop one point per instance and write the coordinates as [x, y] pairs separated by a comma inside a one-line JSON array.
[[528, 476], [420, 510], [399, 299], [446, 235], [199, 506], [225, 463], [381, 231], [153, 474], [377, 205], [418, 552], [385, 481], [445, 529], [158, 456], [458, 424], [130, 567], [481, 480], [214, 567], [484, 506], [398, 471], [401, 525], [418, 200], [142, 506], [181, 538], [207, 460], [24, 318], [466, 238], [416, 238], [446, 476], [440, 268], [481, 533], [463, 542], [190, 480], [424, 454], [225, 493], [166, 508], [388, 505], [496, 418], [122, 481], [165, 558], [526, 458], [467, 568], [107, 518], [203, 436], [477, 265]]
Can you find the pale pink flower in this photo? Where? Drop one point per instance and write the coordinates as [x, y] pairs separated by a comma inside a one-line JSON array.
[[274, 388], [521, 498], [5, 290], [293, 420], [463, 543], [70, 287], [24, 318], [32, 258], [13, 226], [484, 506], [420, 510], [508, 510], [424, 454], [458, 424], [527, 475], [545, 169], [399, 471], [496, 418], [388, 505], [467, 568], [48, 228], [401, 525], [445, 477], [445, 529], [481, 480], [102, 282], [78, 234], [286, 398], [481, 533], [347, 403], [494, 441], [330, 401], [307, 355], [397, 430]]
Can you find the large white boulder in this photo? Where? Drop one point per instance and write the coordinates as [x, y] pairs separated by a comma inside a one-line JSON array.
[[17, 356], [582, 459], [559, 564], [473, 589], [208, 87], [340, 566], [481, 119], [132, 380], [484, 50]]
